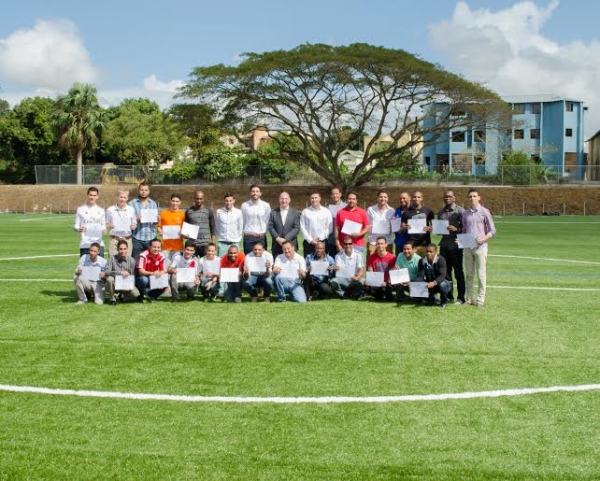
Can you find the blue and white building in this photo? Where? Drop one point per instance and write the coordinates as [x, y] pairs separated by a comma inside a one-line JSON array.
[[547, 128]]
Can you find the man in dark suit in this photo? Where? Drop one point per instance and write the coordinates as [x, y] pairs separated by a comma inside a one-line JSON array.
[[284, 224]]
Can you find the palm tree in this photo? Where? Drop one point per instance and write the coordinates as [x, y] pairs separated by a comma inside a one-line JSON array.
[[79, 121]]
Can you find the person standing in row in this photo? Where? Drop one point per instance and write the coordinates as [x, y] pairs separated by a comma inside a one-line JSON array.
[[449, 249], [120, 219], [255, 213], [200, 215], [358, 217], [418, 211], [284, 225], [380, 215], [335, 194], [90, 222], [316, 223], [229, 225], [144, 232], [171, 219]]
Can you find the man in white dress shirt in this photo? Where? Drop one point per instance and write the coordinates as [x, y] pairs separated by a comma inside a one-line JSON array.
[[335, 194], [255, 213], [316, 224], [90, 222], [229, 225], [379, 215]]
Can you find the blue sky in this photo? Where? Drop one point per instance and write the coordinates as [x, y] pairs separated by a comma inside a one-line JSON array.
[[147, 49]]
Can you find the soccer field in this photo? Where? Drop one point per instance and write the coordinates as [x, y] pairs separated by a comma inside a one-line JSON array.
[[326, 390]]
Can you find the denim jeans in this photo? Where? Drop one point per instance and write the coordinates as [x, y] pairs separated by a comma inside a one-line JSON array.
[[292, 287], [255, 280]]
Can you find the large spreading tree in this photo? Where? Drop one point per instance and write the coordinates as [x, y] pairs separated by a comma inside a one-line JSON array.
[[79, 120], [314, 92]]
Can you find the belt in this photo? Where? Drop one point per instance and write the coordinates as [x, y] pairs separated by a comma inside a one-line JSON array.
[[120, 238], [246, 234]]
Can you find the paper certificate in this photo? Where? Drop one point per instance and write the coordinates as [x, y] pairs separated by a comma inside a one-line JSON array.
[[124, 283], [396, 223], [230, 274], [91, 273], [186, 275], [466, 241], [149, 216], [399, 276], [375, 279], [319, 268], [440, 227], [171, 231], [419, 289], [93, 231], [289, 270], [190, 230], [417, 226], [159, 282], [346, 272], [350, 227], [256, 264], [381, 227]]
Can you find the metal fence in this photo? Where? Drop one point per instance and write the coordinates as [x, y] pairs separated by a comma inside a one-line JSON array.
[[527, 175]]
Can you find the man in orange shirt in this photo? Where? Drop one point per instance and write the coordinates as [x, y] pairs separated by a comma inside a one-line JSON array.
[[172, 218], [232, 291]]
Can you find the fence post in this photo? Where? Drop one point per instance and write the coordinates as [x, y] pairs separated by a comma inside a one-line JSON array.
[[564, 209], [523, 208], [584, 209]]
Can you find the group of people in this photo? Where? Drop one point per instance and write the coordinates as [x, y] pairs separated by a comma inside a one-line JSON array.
[[348, 252]]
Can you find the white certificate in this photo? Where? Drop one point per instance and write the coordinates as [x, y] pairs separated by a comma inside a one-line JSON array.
[[381, 227], [124, 283], [256, 264], [91, 273], [466, 241], [149, 215], [399, 276], [185, 274], [190, 230], [230, 274], [419, 289], [350, 227], [440, 227], [396, 223], [346, 272], [159, 282], [375, 279], [171, 231], [417, 226], [93, 231], [289, 270], [319, 268]]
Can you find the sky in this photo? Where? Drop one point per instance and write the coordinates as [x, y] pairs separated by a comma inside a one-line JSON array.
[[148, 49]]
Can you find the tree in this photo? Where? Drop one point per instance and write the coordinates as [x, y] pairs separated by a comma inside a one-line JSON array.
[[27, 139], [79, 120], [314, 92], [139, 133], [197, 123]]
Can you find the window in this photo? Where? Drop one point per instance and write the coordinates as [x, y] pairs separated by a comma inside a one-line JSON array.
[[519, 134], [534, 134], [569, 106], [568, 132], [479, 136], [458, 136], [536, 108], [480, 159], [518, 108], [535, 159], [427, 160]]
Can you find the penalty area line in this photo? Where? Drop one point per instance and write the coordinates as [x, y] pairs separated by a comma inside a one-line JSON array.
[[38, 257], [297, 400]]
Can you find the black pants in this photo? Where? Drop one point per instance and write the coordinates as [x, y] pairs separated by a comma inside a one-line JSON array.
[[454, 263]]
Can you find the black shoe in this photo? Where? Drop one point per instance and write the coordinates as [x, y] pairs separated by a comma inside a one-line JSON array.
[[443, 305], [113, 303], [174, 300], [139, 299]]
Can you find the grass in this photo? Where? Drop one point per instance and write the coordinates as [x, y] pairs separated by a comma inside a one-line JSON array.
[[524, 338]]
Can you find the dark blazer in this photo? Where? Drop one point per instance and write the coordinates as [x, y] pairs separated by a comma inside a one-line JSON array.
[[289, 231]]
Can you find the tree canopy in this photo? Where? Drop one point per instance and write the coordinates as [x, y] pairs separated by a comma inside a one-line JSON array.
[[314, 92]]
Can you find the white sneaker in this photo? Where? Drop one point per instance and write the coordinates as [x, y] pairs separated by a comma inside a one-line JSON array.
[[80, 303]]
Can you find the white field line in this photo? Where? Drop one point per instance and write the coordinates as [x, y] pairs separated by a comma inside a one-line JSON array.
[[297, 400], [54, 217], [38, 257], [566, 261], [36, 280], [530, 288]]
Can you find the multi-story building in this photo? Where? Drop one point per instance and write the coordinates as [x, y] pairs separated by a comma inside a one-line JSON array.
[[547, 128]]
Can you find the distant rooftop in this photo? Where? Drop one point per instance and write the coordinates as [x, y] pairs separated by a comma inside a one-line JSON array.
[[523, 99]]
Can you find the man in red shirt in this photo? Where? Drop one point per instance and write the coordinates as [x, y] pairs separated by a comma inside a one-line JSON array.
[[382, 261], [232, 291], [151, 263], [351, 215]]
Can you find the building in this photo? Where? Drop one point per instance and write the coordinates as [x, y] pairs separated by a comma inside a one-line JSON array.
[[548, 128]]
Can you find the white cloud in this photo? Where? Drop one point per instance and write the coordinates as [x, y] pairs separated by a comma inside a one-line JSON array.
[[152, 84], [50, 55], [508, 51]]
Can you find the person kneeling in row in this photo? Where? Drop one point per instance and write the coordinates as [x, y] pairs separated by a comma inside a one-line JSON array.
[[184, 272], [432, 270], [120, 274]]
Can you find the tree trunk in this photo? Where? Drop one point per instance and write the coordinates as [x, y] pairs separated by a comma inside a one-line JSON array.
[[79, 166]]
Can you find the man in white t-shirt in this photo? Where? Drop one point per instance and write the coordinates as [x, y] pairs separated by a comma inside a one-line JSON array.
[[349, 270], [90, 222], [257, 272], [121, 220], [290, 271]]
